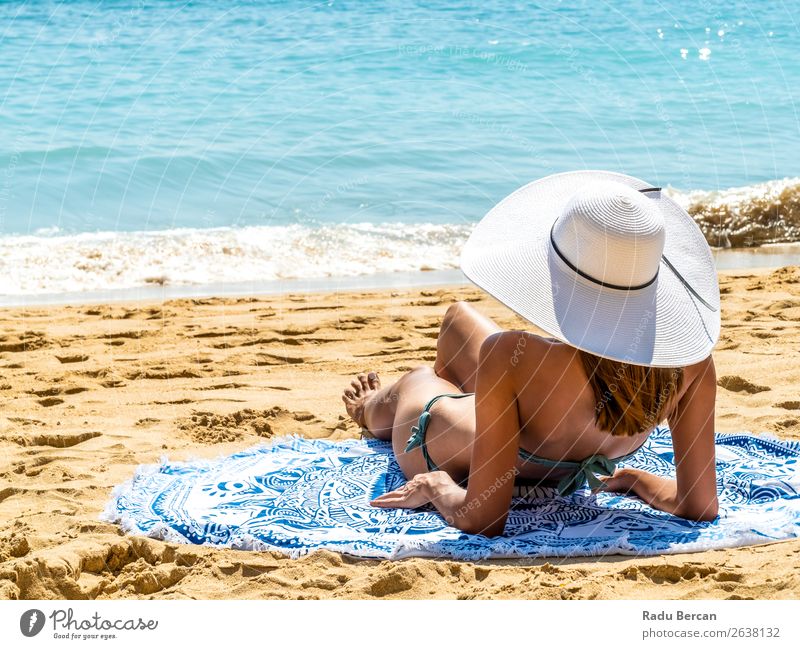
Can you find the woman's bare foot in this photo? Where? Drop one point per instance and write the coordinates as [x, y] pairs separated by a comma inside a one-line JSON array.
[[355, 398]]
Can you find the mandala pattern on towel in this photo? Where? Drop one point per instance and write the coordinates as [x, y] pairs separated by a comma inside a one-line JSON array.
[[297, 495]]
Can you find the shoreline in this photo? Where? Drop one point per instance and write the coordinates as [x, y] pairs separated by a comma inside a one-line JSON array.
[[769, 256]]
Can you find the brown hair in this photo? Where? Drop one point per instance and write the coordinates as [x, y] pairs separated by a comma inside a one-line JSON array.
[[630, 399]]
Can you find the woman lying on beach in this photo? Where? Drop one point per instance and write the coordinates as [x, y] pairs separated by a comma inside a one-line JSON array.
[[623, 280]]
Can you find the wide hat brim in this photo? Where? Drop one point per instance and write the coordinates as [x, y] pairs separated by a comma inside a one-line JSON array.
[[510, 256]]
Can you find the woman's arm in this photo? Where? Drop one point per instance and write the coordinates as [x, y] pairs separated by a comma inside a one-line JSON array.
[[494, 452], [693, 494], [482, 508]]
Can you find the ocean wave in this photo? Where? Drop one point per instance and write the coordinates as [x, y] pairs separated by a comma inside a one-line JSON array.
[[748, 216], [36, 265], [50, 261]]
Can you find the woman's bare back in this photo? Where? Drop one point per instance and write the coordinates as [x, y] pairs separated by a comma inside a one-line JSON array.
[[556, 408]]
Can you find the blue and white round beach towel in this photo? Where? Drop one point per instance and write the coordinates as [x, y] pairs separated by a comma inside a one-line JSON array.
[[297, 495]]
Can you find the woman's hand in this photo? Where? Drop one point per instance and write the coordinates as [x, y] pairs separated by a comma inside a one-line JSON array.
[[436, 487], [423, 488], [660, 493], [621, 482]]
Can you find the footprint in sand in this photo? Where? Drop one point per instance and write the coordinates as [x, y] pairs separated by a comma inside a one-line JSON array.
[[56, 440], [51, 393], [736, 383], [24, 342], [265, 358], [386, 351], [784, 309], [33, 466], [215, 428], [763, 335], [133, 334], [14, 544], [433, 324], [295, 330], [50, 401], [45, 392], [788, 405], [146, 421], [317, 308], [72, 358], [352, 322], [109, 376], [154, 314], [224, 386], [215, 334], [25, 421], [432, 302], [727, 343], [159, 372], [787, 424], [122, 567], [786, 275], [673, 573]]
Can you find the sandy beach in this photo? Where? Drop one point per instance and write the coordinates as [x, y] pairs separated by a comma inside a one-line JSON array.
[[90, 391]]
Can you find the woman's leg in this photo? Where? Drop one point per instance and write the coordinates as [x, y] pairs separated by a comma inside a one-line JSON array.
[[389, 413], [461, 335]]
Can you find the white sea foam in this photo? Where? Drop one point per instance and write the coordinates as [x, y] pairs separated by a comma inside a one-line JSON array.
[[34, 265], [747, 216], [50, 261]]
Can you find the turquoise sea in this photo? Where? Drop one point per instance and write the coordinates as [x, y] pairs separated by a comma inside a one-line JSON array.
[[187, 143]]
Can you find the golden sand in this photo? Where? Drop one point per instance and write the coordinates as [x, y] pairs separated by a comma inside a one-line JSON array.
[[89, 392]]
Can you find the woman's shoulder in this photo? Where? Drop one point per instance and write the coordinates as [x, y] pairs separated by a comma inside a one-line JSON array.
[[700, 376], [517, 347], [508, 338]]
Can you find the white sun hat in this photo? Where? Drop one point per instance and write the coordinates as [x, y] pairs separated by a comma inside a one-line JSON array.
[[604, 262]]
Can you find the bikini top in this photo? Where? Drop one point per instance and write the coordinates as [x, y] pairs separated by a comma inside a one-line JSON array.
[[581, 472]]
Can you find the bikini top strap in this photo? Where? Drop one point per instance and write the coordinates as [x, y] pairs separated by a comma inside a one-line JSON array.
[[587, 472], [582, 472]]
